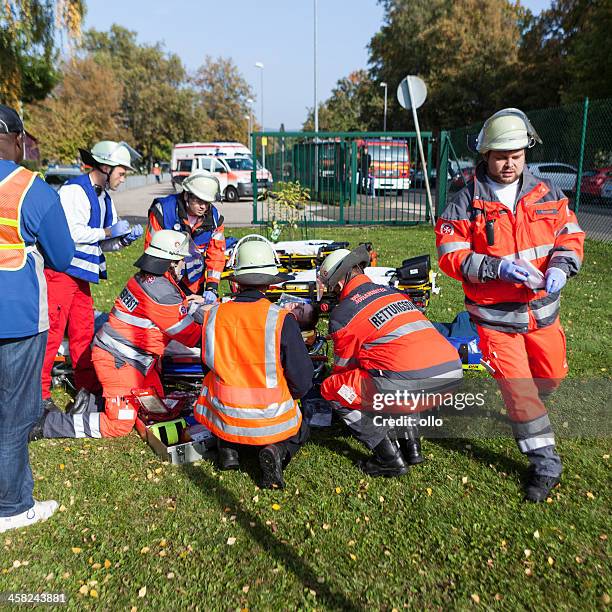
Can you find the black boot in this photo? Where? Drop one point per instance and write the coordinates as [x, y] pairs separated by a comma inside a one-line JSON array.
[[80, 404], [36, 433], [410, 445], [228, 458], [49, 406], [539, 486], [271, 461], [386, 461]]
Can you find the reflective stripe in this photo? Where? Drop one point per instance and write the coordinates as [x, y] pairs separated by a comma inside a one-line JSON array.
[[450, 247], [570, 228], [402, 330], [218, 236], [144, 359], [565, 254], [491, 314], [270, 346], [94, 425], [209, 345], [244, 396], [522, 430], [351, 416], [530, 444], [79, 426], [343, 362], [535, 252], [270, 412], [180, 326], [250, 431], [214, 274], [473, 267], [546, 311], [132, 320]]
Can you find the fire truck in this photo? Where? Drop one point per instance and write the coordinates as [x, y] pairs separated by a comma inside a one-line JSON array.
[[383, 164]]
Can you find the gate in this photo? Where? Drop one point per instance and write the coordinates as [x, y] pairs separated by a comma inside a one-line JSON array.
[[357, 178]]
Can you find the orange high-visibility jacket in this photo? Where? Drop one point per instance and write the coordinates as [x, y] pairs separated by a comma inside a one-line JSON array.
[[245, 397], [379, 330], [149, 312], [15, 186], [543, 230]]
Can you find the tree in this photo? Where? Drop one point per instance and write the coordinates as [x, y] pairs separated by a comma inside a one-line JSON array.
[[223, 93], [28, 33], [84, 108], [352, 106]]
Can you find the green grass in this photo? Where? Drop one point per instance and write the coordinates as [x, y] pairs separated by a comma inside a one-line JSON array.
[[450, 532]]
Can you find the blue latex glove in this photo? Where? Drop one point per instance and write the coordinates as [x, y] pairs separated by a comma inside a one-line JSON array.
[[120, 228], [135, 233], [209, 297], [555, 280], [511, 273]]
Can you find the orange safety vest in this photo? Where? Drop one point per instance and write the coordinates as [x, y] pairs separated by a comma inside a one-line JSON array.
[[245, 397], [13, 190]]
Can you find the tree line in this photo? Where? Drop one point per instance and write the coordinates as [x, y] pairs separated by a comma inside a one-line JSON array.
[[475, 57]]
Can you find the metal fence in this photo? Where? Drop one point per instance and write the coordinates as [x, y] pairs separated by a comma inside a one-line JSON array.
[[576, 151], [358, 178]]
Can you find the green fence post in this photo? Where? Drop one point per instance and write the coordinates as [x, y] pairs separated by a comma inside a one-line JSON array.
[[254, 174], [353, 177], [585, 114], [441, 174]]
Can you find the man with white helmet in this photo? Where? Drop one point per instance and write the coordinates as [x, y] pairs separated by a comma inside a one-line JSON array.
[[513, 242], [149, 313], [257, 367], [384, 348], [95, 228], [193, 212]]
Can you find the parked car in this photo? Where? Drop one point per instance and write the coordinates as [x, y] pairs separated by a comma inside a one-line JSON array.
[[461, 179], [593, 182], [56, 176], [560, 175], [606, 192]]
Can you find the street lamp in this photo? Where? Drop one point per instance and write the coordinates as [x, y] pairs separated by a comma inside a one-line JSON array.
[[248, 118], [263, 148], [383, 84]]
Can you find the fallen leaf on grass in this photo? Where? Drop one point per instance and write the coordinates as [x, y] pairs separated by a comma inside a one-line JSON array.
[[353, 557], [536, 534], [590, 495], [170, 575], [551, 561], [96, 566], [76, 550], [527, 552], [579, 560], [528, 571], [93, 593], [231, 541], [429, 491], [245, 588], [276, 507], [464, 480], [326, 526], [84, 590], [142, 592], [144, 550], [338, 490], [107, 563], [475, 598]]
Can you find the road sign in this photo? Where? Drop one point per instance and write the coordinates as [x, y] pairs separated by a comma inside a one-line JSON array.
[[412, 93], [264, 141]]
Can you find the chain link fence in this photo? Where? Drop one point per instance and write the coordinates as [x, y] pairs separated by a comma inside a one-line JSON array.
[[576, 155]]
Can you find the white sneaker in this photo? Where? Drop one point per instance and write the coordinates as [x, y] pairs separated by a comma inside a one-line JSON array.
[[40, 511]]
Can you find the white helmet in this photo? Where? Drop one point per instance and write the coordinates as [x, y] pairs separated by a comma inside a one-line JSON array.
[[507, 130], [337, 265], [203, 185], [168, 244], [110, 153], [255, 262]]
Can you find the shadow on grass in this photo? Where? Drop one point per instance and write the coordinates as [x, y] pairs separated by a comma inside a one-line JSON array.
[[283, 553]]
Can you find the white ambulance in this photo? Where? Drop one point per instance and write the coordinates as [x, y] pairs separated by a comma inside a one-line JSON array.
[[231, 162]]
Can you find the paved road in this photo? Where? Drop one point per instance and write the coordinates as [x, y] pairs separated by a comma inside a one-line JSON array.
[[134, 204]]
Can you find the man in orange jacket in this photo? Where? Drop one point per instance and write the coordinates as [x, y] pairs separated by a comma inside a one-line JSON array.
[[149, 313], [194, 213], [513, 242], [383, 348], [257, 367]]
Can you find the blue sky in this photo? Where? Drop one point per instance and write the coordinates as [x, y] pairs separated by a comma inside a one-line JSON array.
[[278, 33]]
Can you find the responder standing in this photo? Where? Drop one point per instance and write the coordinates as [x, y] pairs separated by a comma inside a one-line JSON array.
[[492, 236], [258, 366], [382, 345], [95, 228], [193, 211], [149, 312], [33, 233]]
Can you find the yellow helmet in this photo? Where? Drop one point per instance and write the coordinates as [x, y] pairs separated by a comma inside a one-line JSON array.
[[507, 130]]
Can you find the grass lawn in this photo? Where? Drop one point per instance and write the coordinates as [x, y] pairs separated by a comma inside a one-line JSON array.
[[134, 533]]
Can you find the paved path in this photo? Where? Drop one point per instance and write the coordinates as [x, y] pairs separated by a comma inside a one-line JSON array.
[[134, 204]]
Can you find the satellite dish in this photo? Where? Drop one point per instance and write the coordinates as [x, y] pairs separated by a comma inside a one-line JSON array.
[[419, 92]]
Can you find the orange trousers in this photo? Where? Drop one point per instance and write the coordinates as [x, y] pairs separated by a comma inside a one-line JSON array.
[[117, 382], [526, 366]]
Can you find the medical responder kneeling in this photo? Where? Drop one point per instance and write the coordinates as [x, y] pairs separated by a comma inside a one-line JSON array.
[[149, 313], [382, 345], [258, 367], [193, 212], [513, 241]]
